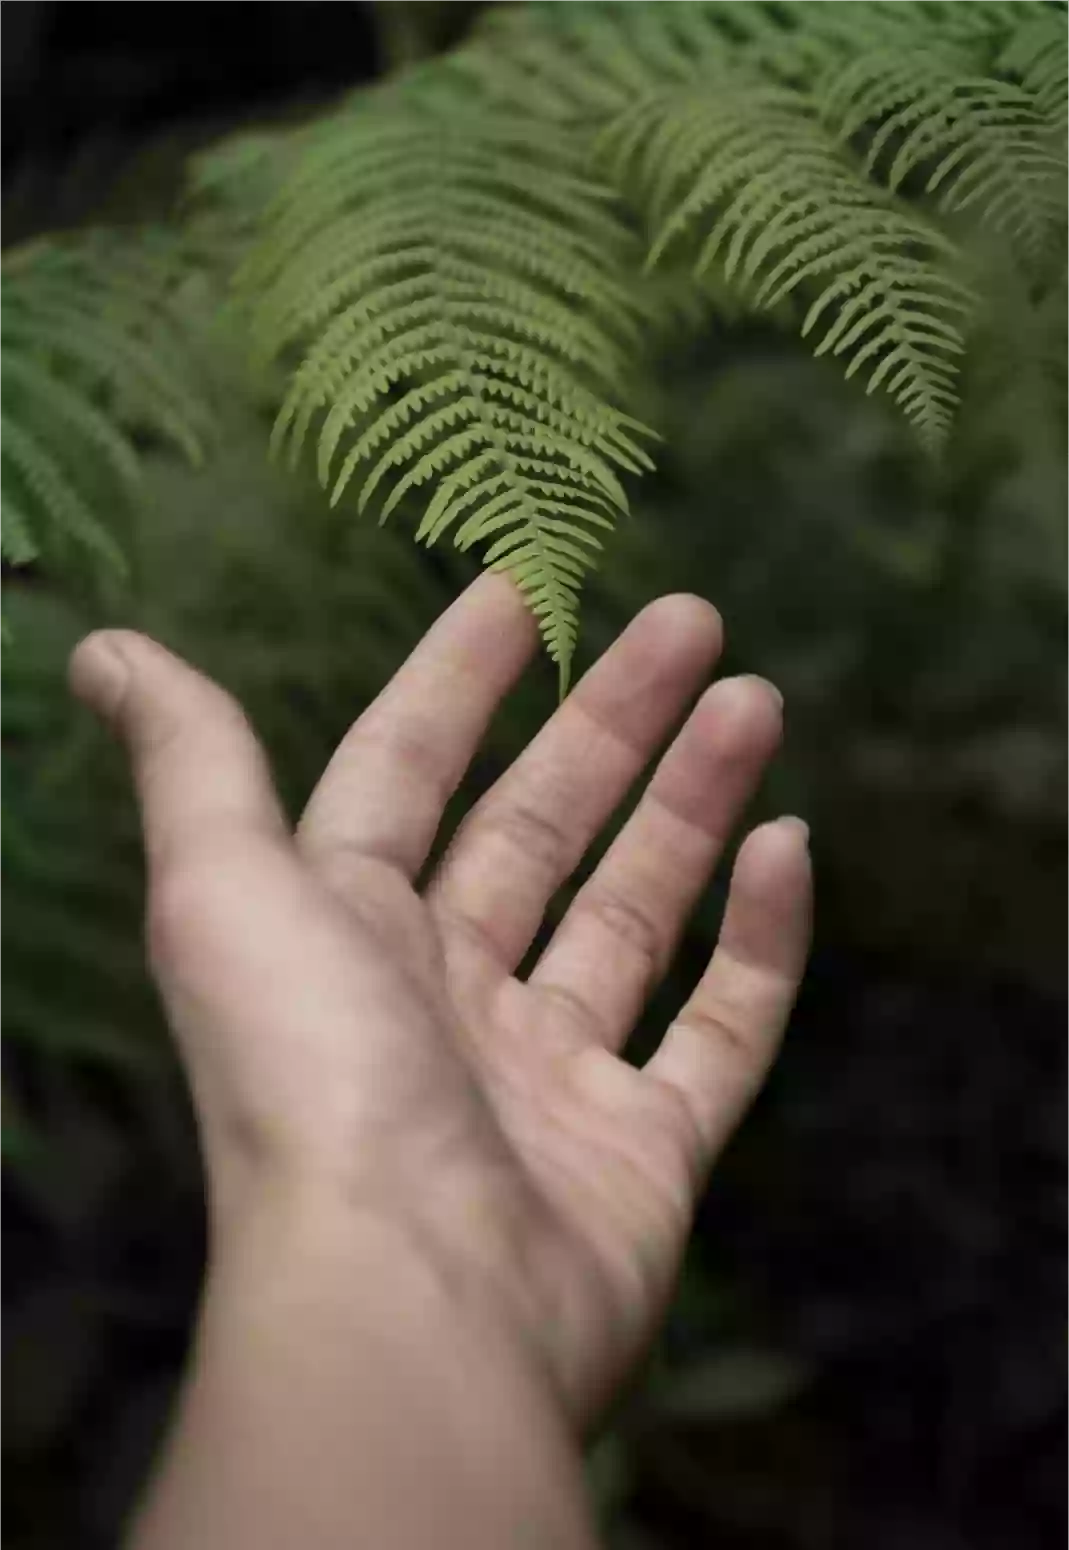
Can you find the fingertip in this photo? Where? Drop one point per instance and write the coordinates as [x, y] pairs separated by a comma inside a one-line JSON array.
[[668, 649], [770, 906], [499, 590], [99, 672], [774, 853], [490, 616], [793, 826], [744, 693], [684, 621]]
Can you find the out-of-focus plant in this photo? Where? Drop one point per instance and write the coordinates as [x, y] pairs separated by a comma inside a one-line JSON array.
[[919, 673], [453, 261], [449, 267], [408, 31], [912, 607], [95, 360]]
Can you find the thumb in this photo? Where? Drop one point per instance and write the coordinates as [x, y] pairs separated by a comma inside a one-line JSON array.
[[198, 767]]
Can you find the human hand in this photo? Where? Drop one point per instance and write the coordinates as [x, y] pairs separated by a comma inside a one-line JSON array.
[[365, 1051]]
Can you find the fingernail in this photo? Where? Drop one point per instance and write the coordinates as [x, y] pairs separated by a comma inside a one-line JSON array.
[[99, 674], [766, 684], [798, 825]]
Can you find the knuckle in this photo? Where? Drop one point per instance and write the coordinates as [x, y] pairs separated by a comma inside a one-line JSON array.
[[523, 828], [159, 722], [577, 1012], [408, 747], [629, 921], [721, 1025]]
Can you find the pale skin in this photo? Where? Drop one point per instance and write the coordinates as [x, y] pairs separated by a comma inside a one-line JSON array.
[[446, 1215]]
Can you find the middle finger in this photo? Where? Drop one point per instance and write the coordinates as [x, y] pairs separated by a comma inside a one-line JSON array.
[[524, 838]]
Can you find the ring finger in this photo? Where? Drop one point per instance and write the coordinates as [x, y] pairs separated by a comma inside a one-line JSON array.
[[619, 934]]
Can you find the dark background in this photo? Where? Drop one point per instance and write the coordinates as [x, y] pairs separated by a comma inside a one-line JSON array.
[[869, 1343], [78, 72]]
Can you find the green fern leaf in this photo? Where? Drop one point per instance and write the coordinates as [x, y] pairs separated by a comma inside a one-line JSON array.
[[90, 352], [585, 61], [48, 395], [16, 542], [750, 172], [1053, 327], [980, 143], [109, 306], [32, 466], [1036, 54], [459, 291]]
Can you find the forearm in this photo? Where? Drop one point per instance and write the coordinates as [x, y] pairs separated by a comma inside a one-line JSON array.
[[341, 1395]]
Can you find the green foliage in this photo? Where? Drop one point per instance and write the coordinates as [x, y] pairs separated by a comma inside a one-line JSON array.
[[411, 30], [779, 212], [911, 608], [451, 272], [461, 279], [94, 360], [917, 633], [824, 163], [981, 143]]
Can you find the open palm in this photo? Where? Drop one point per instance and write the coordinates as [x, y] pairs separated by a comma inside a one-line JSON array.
[[361, 1038]]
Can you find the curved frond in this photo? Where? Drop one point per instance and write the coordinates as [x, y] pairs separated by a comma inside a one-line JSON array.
[[100, 310], [16, 543], [90, 353], [446, 272], [31, 465], [457, 288], [751, 178], [585, 61], [1037, 55], [980, 144]]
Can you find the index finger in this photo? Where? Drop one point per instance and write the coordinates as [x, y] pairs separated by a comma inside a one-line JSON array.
[[383, 793]]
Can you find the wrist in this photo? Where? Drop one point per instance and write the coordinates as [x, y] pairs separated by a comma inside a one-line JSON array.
[[304, 1244], [334, 1350], [458, 1244]]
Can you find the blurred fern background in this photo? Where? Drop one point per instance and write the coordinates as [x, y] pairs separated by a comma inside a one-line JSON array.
[[868, 1344]]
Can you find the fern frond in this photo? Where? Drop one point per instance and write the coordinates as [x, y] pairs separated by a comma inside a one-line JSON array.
[[457, 285], [243, 172], [90, 352], [980, 143], [585, 61], [945, 25], [16, 544], [1037, 55], [104, 317], [446, 272], [47, 395], [1053, 313], [750, 172], [31, 465]]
